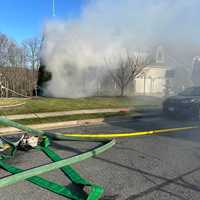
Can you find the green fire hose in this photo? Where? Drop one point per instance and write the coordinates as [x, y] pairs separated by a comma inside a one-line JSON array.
[[31, 175]]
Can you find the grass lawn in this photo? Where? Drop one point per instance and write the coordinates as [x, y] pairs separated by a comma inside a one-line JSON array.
[[38, 105]]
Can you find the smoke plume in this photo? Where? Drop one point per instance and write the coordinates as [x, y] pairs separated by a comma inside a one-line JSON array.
[[106, 28]]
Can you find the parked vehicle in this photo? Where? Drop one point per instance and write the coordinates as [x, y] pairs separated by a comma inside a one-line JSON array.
[[185, 104]]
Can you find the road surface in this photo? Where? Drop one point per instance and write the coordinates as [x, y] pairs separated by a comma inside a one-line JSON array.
[[160, 167]]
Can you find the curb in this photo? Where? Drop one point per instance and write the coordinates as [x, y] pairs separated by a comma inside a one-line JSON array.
[[67, 124], [50, 126], [66, 113]]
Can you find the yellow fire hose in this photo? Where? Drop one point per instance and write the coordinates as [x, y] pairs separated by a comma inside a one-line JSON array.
[[120, 135]]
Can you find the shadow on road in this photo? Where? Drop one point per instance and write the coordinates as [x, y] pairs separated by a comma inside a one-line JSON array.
[[178, 180], [147, 123]]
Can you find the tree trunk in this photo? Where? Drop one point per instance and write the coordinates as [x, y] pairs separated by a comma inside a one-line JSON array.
[[122, 91]]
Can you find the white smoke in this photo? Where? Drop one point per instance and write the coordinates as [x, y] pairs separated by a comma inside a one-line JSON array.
[[105, 29]]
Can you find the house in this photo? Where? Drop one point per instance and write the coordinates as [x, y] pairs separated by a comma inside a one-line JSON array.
[[156, 76]]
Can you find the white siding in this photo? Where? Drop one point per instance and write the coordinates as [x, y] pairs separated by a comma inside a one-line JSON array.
[[152, 83]]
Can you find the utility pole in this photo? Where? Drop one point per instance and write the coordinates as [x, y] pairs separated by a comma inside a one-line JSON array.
[[53, 8]]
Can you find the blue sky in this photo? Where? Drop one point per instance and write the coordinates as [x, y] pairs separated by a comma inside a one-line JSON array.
[[22, 19]]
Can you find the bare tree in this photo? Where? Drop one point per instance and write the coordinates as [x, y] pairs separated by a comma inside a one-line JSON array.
[[14, 76], [14, 56], [126, 70], [32, 48], [32, 51], [11, 55], [4, 49]]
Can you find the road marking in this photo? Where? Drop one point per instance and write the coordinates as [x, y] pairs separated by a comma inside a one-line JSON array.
[[118, 135]]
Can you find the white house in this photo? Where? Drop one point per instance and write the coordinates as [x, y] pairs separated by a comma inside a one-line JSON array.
[[153, 80]]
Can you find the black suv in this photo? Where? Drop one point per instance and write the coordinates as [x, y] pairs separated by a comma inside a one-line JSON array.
[[185, 104]]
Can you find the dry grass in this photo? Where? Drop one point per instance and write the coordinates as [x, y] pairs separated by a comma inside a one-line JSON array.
[[10, 101]]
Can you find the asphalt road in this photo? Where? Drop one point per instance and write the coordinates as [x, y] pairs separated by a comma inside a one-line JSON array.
[[161, 167]]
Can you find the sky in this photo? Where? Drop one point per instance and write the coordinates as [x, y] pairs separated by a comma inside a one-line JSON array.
[[22, 19]]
